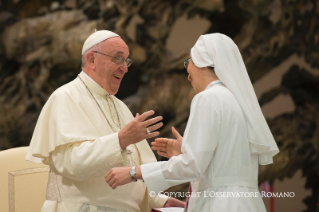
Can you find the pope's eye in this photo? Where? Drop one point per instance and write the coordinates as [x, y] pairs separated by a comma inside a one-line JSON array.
[[118, 60]]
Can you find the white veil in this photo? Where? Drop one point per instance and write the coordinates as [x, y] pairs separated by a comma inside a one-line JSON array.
[[219, 51]]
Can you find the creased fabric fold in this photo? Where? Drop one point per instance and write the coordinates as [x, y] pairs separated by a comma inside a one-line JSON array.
[[222, 53]]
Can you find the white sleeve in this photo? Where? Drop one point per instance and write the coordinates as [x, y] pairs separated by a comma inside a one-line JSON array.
[[198, 146], [88, 159]]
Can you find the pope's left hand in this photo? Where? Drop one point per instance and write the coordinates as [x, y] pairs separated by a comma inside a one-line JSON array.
[[118, 176], [172, 202]]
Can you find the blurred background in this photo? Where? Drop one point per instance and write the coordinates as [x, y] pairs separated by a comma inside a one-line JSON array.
[[40, 50]]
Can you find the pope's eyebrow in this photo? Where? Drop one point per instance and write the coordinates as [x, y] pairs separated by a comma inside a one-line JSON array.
[[117, 52], [120, 52]]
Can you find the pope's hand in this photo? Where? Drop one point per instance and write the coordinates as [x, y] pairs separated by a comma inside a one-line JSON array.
[[118, 176], [172, 202], [167, 147], [136, 130]]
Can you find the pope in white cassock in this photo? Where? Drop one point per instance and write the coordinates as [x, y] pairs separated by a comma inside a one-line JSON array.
[[84, 130], [225, 140]]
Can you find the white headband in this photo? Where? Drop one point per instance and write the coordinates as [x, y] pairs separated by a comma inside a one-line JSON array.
[[97, 37], [223, 53], [200, 55]]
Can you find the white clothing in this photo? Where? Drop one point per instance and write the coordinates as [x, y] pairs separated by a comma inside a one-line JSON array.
[[96, 38], [223, 53], [74, 138], [215, 156]]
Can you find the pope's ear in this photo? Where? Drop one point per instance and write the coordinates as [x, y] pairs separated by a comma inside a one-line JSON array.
[[90, 59]]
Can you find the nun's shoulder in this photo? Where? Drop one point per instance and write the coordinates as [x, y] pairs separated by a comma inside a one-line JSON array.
[[215, 95], [216, 91]]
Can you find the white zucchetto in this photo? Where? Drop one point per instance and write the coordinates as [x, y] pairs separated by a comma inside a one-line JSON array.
[[220, 51], [97, 37]]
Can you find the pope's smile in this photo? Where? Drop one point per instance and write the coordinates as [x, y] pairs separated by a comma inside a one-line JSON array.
[[117, 76]]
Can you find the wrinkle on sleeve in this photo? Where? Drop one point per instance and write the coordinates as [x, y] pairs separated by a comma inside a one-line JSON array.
[[63, 120], [199, 143], [88, 159]]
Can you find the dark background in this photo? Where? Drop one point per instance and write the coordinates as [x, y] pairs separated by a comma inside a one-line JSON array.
[[40, 50]]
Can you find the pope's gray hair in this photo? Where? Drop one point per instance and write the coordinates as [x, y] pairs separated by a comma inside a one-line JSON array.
[[96, 47]]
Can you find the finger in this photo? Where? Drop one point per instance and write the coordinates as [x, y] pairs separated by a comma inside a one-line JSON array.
[[176, 134], [171, 141], [152, 121], [145, 115], [114, 186], [155, 127], [108, 176], [110, 181], [162, 149], [162, 154], [159, 147], [151, 135], [161, 140], [157, 144]]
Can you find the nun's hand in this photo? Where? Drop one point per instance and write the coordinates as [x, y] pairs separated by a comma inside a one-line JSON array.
[[167, 147]]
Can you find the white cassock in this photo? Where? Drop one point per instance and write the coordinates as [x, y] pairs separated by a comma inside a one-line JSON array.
[[215, 157], [73, 137]]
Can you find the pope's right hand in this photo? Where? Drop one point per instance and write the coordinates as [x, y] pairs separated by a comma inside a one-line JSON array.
[[167, 147], [136, 130]]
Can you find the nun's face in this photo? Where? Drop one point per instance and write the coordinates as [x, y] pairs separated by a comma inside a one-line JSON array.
[[194, 76]]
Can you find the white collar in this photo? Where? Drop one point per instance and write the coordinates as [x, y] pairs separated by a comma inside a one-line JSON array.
[[87, 76], [94, 85], [213, 83]]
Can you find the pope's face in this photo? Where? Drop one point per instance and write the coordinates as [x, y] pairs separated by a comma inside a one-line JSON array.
[[194, 76], [109, 74]]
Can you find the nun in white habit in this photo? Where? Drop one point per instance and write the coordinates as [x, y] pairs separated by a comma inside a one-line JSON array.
[[225, 140]]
